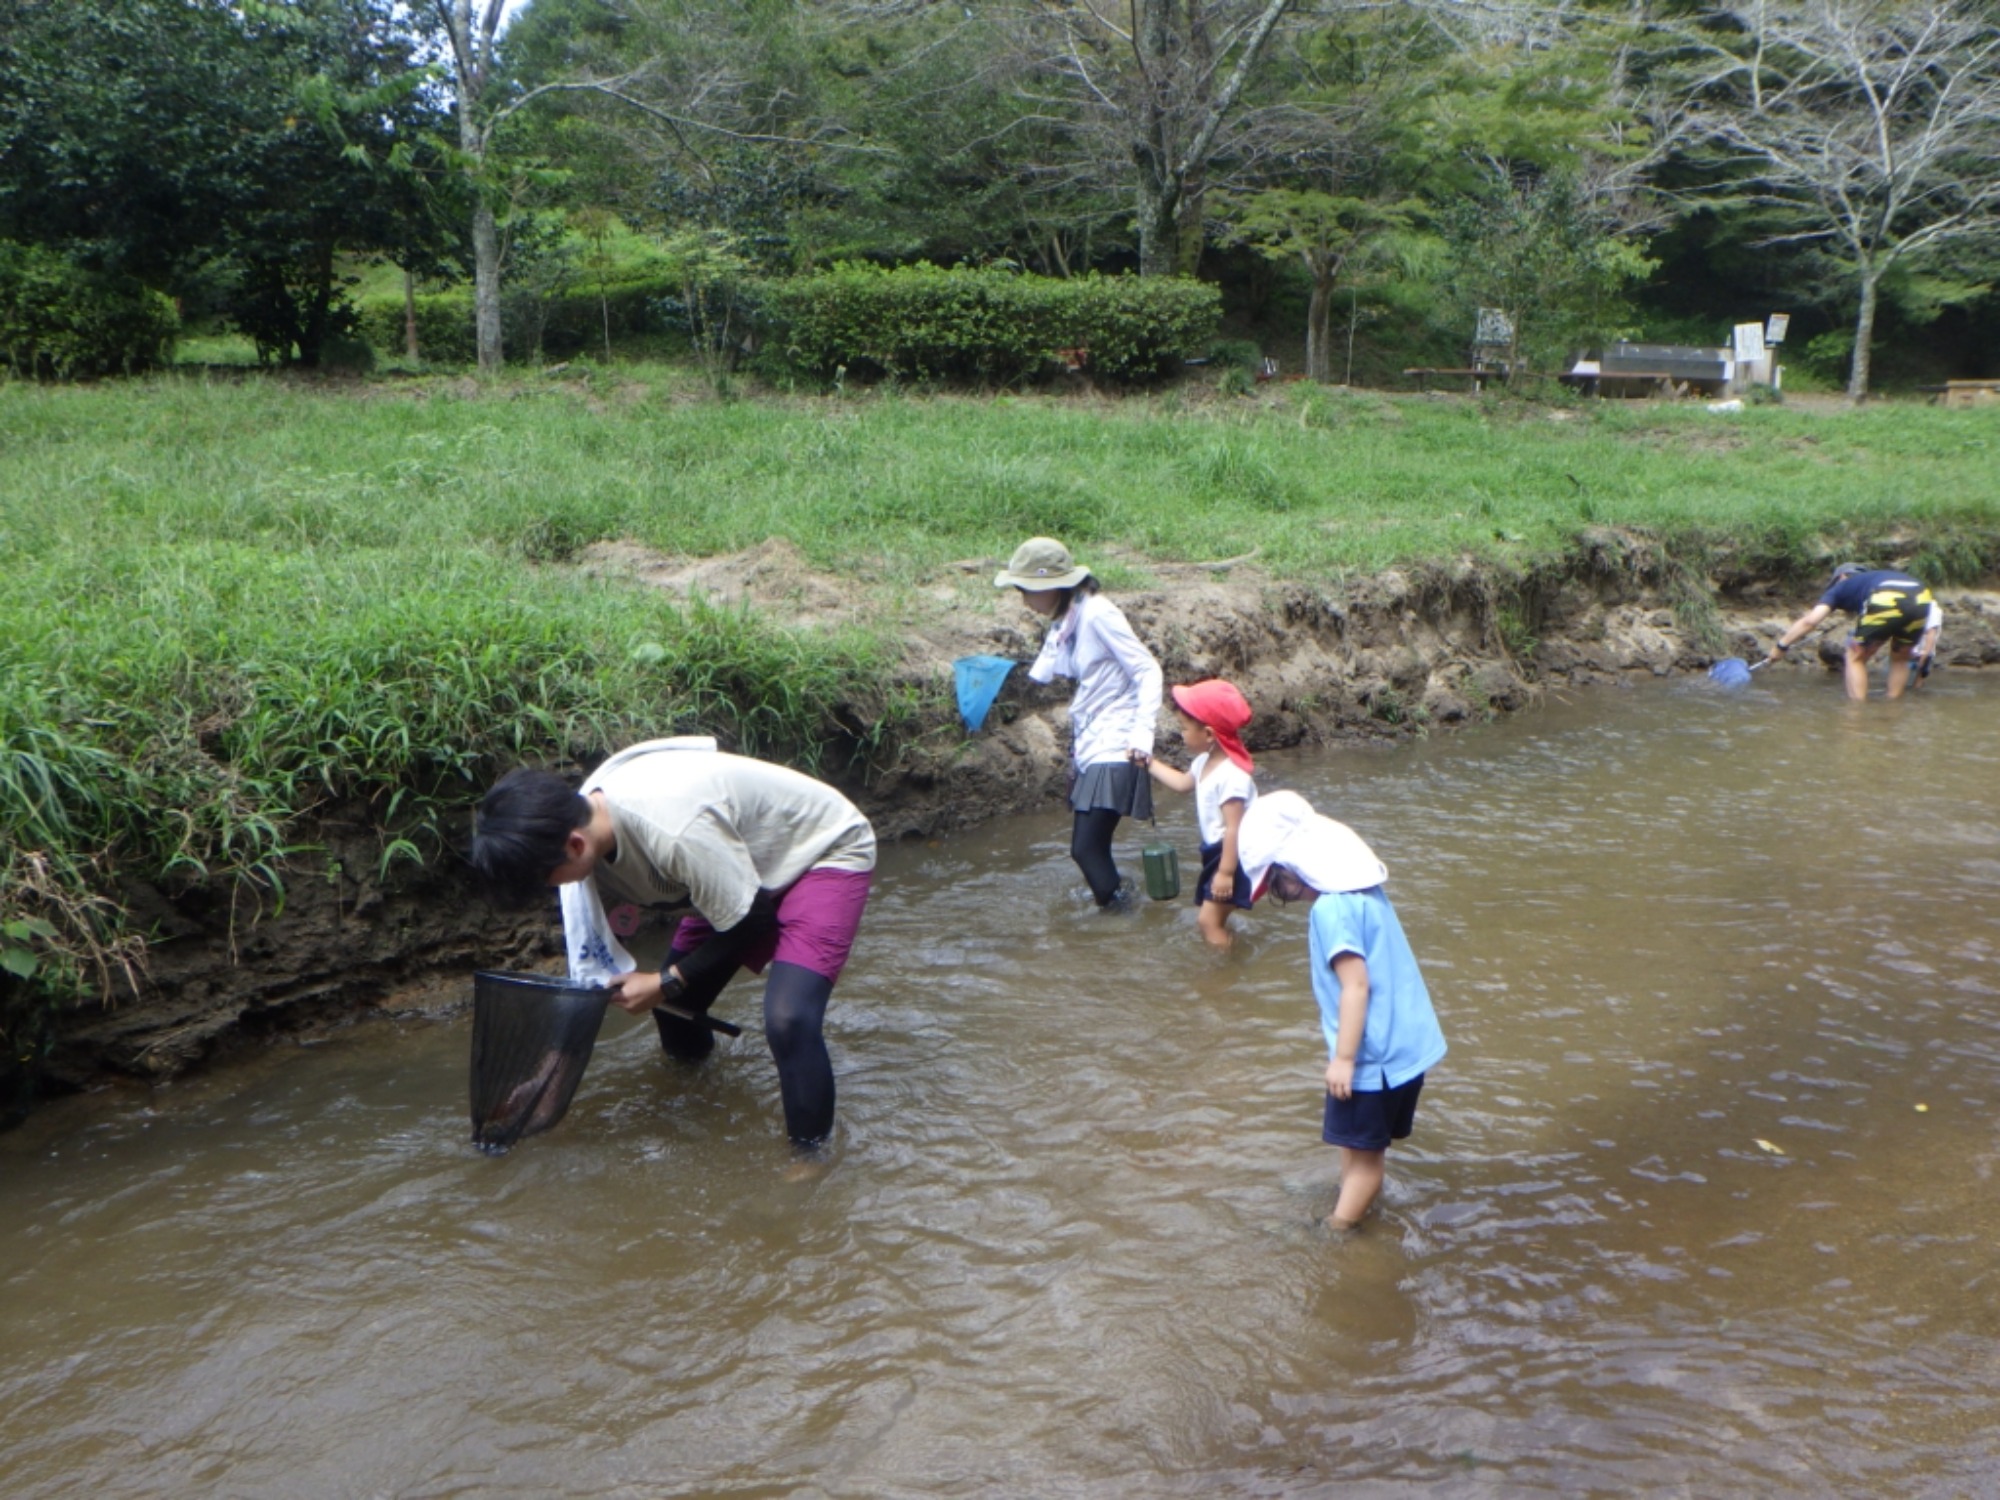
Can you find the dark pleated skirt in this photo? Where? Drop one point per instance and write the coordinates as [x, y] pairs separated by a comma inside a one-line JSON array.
[[1119, 786]]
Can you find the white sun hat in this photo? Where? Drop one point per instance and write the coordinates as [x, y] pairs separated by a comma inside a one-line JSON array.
[[1280, 828]]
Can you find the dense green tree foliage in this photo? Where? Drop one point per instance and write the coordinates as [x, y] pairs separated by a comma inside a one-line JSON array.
[[243, 153], [1588, 169]]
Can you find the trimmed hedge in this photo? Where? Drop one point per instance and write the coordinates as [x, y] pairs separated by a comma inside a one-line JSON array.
[[58, 319], [572, 322], [922, 322], [990, 325], [576, 319], [445, 334]]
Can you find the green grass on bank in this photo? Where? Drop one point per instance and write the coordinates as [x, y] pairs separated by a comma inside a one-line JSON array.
[[226, 603], [890, 488]]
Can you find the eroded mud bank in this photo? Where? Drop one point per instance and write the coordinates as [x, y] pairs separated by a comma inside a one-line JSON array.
[[1400, 653]]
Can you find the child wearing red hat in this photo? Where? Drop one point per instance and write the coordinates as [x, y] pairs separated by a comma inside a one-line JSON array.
[[1212, 715]]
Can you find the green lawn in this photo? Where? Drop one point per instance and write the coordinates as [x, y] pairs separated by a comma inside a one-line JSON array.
[[891, 487]]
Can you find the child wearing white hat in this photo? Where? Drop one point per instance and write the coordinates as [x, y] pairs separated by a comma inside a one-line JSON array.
[[1382, 1036]]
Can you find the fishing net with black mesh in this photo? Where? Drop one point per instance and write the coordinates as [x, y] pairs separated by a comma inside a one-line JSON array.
[[531, 1040]]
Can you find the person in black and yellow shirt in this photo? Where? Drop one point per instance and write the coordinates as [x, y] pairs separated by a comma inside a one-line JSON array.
[[1888, 605]]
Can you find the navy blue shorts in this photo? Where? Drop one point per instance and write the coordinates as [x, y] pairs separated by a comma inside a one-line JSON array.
[[1211, 861], [1369, 1121]]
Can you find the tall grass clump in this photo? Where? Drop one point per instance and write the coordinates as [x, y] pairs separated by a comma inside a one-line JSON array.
[[177, 715]]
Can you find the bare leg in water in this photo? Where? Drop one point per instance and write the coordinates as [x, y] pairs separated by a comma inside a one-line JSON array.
[[1361, 1175]]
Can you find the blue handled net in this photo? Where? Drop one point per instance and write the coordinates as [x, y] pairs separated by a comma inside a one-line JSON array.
[[979, 680]]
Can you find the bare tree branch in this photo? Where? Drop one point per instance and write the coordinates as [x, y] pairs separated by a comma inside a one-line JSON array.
[[1874, 124]]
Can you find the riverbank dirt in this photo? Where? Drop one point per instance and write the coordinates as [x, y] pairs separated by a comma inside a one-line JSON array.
[[1400, 653]]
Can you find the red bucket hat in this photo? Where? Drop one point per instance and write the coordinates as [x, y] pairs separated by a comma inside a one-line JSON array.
[[1224, 710]]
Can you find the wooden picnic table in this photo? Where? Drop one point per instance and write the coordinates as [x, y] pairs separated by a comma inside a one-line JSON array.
[[1965, 392], [1476, 374]]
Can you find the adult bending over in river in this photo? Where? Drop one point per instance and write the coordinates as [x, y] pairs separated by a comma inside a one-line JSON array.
[[1115, 711], [1887, 605], [771, 867]]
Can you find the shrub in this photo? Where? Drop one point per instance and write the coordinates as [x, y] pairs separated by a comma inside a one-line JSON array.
[[1826, 357], [445, 333], [58, 319], [343, 355], [1236, 354], [575, 321], [989, 325], [559, 325]]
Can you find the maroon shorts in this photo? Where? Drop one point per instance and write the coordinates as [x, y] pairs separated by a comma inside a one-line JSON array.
[[816, 921]]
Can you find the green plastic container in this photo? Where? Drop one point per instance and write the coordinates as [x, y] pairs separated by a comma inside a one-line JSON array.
[[1163, 871]]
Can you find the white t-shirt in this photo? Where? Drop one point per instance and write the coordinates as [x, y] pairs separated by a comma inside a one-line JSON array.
[[695, 824], [1118, 683], [1230, 782]]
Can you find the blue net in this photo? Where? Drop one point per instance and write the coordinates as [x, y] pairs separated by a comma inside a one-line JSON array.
[[1731, 671], [979, 680]]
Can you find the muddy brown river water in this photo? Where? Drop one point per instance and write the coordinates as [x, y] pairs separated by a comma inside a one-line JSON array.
[[1701, 1202]]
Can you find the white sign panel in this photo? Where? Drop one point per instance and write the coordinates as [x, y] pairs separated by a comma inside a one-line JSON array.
[[1774, 328], [1494, 327], [1749, 342]]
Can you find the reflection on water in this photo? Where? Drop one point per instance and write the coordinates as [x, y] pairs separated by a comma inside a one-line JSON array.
[[1700, 1202]]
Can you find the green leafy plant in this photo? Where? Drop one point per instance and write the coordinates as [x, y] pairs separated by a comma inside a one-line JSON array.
[[18, 936], [57, 319], [1516, 634]]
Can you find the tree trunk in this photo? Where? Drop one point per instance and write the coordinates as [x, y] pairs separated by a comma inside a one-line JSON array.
[[410, 346], [1159, 223], [486, 282], [1188, 236], [1153, 144], [317, 324], [1864, 334], [1319, 361]]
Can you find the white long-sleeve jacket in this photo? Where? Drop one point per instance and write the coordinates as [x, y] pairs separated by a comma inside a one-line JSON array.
[[1118, 684]]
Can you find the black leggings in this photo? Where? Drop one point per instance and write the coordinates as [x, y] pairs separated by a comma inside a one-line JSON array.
[[1090, 847], [795, 1001]]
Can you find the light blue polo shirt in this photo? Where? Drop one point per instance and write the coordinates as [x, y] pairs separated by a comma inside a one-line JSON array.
[[1402, 1037]]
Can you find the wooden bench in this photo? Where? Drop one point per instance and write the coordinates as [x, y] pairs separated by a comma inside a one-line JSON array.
[[1658, 382], [1476, 375], [1965, 392]]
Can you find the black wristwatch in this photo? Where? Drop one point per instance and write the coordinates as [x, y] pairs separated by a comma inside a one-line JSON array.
[[1780, 647]]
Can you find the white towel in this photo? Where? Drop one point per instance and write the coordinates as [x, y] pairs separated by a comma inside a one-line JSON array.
[[596, 957]]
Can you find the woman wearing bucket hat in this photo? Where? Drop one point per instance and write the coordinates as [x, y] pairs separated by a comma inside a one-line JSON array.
[[1115, 709], [1213, 715], [1382, 1036]]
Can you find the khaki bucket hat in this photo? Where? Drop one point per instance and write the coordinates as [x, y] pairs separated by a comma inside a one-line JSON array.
[[1041, 562]]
